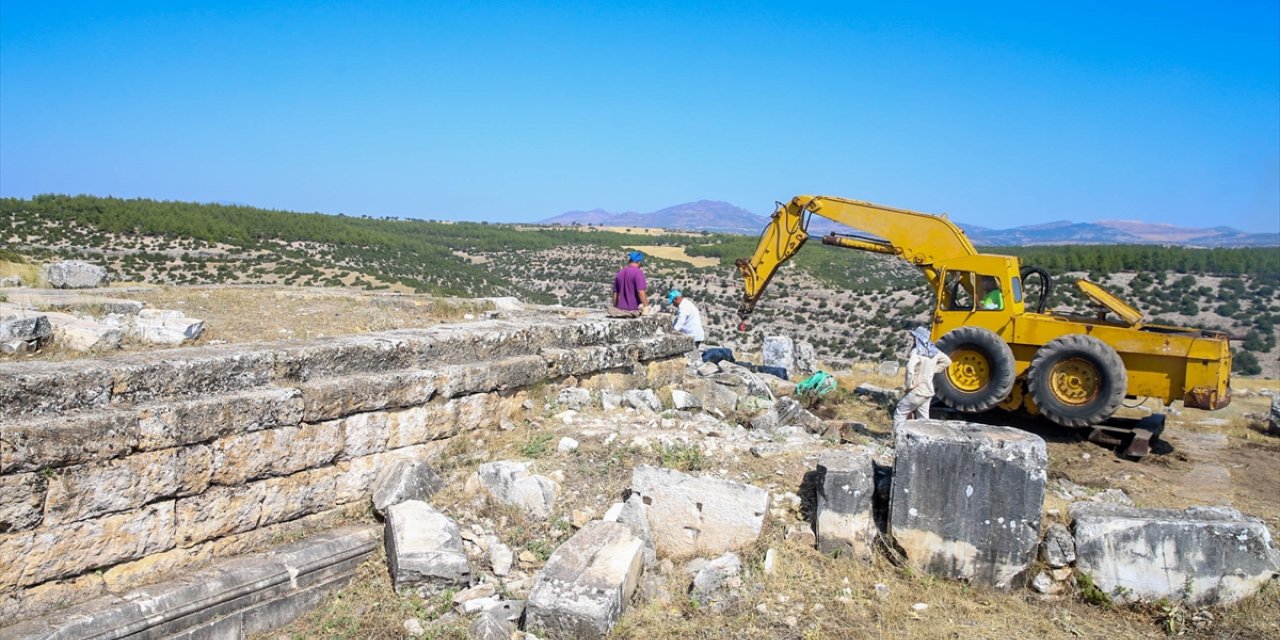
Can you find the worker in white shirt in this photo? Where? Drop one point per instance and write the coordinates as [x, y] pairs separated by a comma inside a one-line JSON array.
[[688, 320], [925, 361]]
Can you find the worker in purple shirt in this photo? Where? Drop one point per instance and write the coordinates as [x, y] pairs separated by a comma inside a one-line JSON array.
[[629, 297]]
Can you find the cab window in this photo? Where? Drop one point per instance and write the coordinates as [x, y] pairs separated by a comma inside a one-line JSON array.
[[958, 291], [1017, 289]]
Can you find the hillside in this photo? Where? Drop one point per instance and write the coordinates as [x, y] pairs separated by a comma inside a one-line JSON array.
[[850, 305]]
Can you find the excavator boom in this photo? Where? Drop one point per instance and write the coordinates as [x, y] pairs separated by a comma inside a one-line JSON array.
[[919, 238]]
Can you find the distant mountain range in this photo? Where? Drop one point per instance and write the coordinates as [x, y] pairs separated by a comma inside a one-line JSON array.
[[715, 215]]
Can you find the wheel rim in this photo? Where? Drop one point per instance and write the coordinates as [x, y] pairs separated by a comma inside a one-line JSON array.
[[1075, 382], [969, 370]]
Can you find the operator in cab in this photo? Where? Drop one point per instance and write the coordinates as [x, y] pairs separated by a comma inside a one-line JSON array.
[[688, 319], [992, 299]]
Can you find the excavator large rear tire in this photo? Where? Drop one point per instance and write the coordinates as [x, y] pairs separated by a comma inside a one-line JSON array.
[[1077, 380], [981, 372]]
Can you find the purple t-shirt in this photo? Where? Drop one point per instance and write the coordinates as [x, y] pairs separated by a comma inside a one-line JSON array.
[[628, 284]]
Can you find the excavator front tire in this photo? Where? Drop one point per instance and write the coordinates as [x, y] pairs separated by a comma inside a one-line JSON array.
[[981, 372], [1077, 380]]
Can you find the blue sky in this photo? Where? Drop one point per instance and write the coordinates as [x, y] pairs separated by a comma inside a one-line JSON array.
[[999, 114]]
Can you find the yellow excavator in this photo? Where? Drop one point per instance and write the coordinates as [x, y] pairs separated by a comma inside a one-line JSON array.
[[1006, 351]]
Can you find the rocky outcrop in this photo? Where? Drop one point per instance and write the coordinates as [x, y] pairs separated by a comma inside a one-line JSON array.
[[74, 274], [966, 500], [691, 515], [1203, 555], [424, 549], [587, 583], [844, 521]]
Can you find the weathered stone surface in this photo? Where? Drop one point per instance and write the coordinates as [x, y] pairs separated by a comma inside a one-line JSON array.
[[632, 514], [779, 351], [344, 355], [1203, 555], [186, 372], [158, 326], [21, 501], [25, 326], [1273, 423], [966, 499], [510, 482], [71, 549], [844, 519], [714, 583], [877, 394], [787, 412], [274, 452], [74, 274], [218, 512], [10, 281], [93, 489], [45, 388], [298, 495], [641, 399], [1044, 583], [357, 475], [85, 334], [806, 358], [610, 400], [566, 445], [405, 480], [698, 515], [587, 583], [365, 433], [888, 368], [488, 626], [184, 421], [424, 549], [130, 575], [330, 398], [492, 375], [44, 598], [574, 398], [1058, 549], [683, 400]]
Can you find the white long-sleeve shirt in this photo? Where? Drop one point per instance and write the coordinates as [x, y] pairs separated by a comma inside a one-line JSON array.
[[920, 371], [688, 320]]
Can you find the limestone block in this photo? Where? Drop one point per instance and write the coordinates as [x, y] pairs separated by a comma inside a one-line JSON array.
[[715, 581], [434, 421], [717, 397], [424, 549], [492, 375], [298, 495], [663, 367], [72, 549], [888, 368], [575, 398], [28, 389], [11, 281], [642, 400], [365, 433], [21, 501], [74, 274], [489, 626], [787, 412], [357, 475], [876, 394], [189, 372], [683, 400], [634, 515], [158, 326], [966, 500], [46, 443], [699, 515], [587, 583], [585, 360], [184, 421], [84, 334], [511, 483], [47, 597], [25, 326], [344, 355], [610, 400], [275, 452], [806, 358], [1205, 556], [217, 512], [404, 480], [330, 398], [1058, 549], [92, 489], [130, 575], [844, 519], [779, 351]]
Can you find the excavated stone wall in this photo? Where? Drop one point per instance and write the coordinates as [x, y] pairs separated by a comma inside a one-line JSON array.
[[124, 470]]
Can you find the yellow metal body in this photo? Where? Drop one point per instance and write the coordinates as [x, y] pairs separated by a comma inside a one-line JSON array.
[[1169, 363]]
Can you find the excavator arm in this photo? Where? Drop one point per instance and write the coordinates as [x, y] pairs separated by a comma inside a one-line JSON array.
[[919, 238]]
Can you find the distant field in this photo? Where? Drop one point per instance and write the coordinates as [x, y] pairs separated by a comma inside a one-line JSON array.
[[677, 253]]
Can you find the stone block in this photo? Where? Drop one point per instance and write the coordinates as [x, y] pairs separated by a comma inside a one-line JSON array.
[[511, 483], [74, 274], [195, 371], [587, 583], [83, 334], [1058, 549], [715, 581], [699, 515], [47, 443], [21, 501], [158, 326], [424, 549], [1204, 556], [806, 358], [610, 400], [405, 480], [184, 421], [129, 575], [275, 452], [492, 375], [586, 360], [845, 522], [217, 512], [25, 326], [93, 489], [298, 495], [787, 412], [684, 401], [330, 398], [365, 433], [28, 389], [71, 549], [49, 596], [344, 355], [888, 368], [876, 394], [966, 500], [641, 400], [575, 398], [779, 351]]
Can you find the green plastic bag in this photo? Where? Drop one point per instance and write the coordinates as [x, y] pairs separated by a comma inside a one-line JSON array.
[[816, 385]]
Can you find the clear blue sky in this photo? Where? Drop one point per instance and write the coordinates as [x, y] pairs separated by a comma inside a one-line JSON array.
[[999, 114]]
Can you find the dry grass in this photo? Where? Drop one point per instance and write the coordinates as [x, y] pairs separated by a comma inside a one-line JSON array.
[[29, 273], [678, 254]]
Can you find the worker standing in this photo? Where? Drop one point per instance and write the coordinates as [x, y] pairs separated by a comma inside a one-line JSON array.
[[629, 297], [688, 320], [925, 360]]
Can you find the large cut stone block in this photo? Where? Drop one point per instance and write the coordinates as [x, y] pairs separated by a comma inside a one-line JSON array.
[[1203, 555], [21, 501], [492, 375], [274, 452], [844, 519], [75, 274], [344, 355], [188, 372], [405, 480], [89, 490], [424, 549], [331, 398], [510, 482], [298, 495], [218, 512], [52, 387], [966, 499], [159, 326], [184, 421], [71, 549], [587, 583], [699, 515], [779, 351]]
